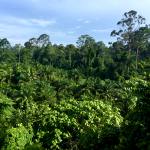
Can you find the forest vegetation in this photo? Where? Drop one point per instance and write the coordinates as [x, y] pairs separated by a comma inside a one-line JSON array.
[[88, 96]]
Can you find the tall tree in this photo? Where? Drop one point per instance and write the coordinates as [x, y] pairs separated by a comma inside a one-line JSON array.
[[4, 44], [130, 23], [70, 51], [85, 40], [43, 40], [141, 41], [86, 45], [31, 43]]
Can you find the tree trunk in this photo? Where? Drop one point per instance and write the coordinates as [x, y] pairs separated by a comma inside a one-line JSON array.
[[129, 55], [137, 54]]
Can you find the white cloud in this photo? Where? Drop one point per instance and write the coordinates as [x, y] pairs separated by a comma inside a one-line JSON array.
[[17, 33], [19, 30], [107, 30], [42, 23], [87, 21], [71, 32], [27, 21]]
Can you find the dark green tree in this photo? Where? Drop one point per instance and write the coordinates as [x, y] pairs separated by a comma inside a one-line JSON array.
[[130, 23]]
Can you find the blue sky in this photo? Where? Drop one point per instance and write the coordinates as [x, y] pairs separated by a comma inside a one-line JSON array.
[[64, 20]]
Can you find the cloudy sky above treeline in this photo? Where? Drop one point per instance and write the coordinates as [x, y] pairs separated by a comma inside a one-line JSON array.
[[64, 20]]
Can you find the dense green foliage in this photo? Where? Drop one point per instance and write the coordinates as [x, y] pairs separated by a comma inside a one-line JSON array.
[[88, 96]]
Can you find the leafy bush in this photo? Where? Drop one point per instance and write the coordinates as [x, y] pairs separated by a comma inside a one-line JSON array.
[[17, 138], [79, 124]]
